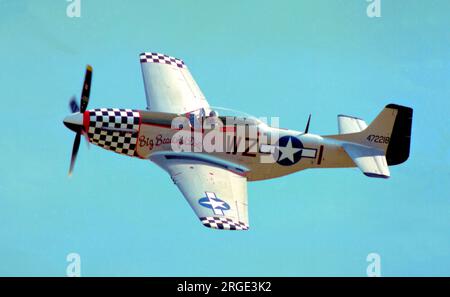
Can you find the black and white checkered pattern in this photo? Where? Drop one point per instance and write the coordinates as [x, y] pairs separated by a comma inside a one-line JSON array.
[[122, 142], [223, 223], [162, 59]]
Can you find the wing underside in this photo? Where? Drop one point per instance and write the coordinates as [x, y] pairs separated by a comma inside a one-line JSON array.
[[217, 195]]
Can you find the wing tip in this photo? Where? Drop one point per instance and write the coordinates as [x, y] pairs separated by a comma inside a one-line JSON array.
[[376, 175], [223, 223], [159, 58]]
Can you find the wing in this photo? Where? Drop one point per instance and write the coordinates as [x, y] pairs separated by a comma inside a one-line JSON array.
[[370, 161], [217, 195], [169, 86], [348, 124]]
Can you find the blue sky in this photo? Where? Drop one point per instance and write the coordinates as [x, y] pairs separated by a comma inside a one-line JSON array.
[[285, 58]]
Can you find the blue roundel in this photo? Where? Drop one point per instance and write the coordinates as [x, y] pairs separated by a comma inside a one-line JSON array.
[[289, 150], [214, 203]]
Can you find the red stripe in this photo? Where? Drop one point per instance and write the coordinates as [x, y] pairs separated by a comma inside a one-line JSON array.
[[228, 129], [320, 155], [137, 138], [86, 122]]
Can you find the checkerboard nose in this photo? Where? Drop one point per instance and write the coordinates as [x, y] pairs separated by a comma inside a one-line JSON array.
[[113, 129]]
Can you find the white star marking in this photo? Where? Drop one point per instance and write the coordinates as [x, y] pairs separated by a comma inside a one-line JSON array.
[[217, 206], [288, 151]]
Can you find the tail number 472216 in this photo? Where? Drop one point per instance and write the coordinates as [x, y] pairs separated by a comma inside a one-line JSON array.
[[378, 139]]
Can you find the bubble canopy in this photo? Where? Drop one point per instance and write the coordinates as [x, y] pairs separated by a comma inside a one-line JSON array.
[[223, 112]]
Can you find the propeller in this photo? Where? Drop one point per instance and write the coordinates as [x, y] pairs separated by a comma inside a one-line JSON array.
[[73, 105], [76, 146], [75, 121], [307, 124]]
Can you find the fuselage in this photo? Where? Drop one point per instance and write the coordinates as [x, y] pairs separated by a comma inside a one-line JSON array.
[[253, 148]]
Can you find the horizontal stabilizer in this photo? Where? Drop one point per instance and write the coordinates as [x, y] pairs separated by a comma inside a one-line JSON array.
[[371, 161]]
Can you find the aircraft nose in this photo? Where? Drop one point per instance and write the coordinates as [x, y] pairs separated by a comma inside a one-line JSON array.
[[74, 121]]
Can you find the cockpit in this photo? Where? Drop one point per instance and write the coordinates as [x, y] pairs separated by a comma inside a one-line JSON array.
[[212, 116], [226, 116]]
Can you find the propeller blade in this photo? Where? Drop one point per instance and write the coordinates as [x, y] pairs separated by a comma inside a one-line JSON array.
[[76, 146], [86, 89], [85, 92], [307, 124], [73, 105]]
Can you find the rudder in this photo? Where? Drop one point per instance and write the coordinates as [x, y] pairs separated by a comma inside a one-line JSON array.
[[399, 145]]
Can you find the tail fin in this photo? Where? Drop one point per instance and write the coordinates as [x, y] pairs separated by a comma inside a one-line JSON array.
[[389, 133], [378, 133], [384, 142]]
